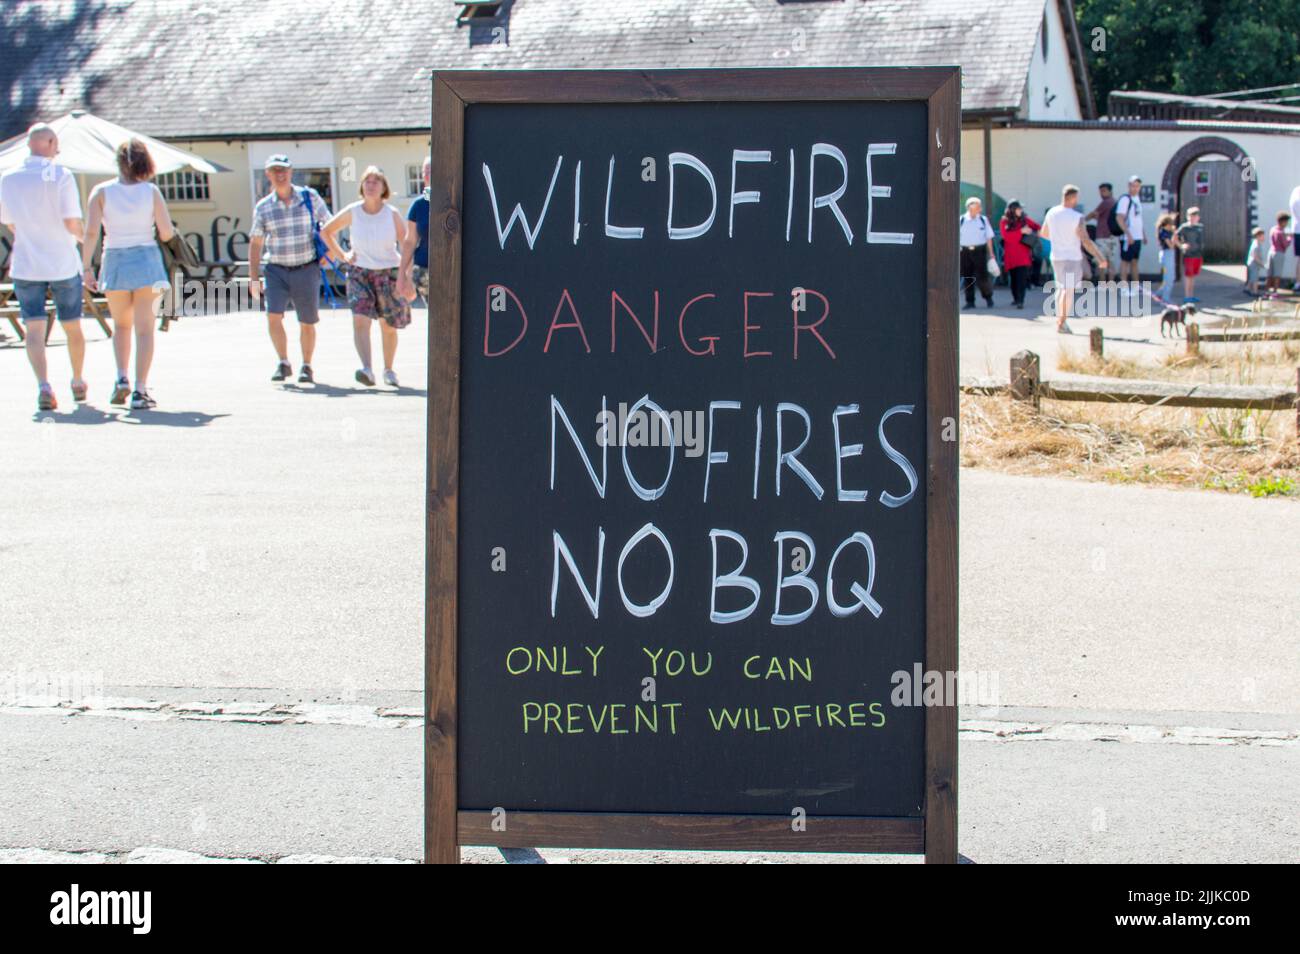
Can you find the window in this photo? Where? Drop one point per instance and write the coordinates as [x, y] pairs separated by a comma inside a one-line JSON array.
[[415, 179], [314, 178], [1046, 27], [183, 186], [478, 11]]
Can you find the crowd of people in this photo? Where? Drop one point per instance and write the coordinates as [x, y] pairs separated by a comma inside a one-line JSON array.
[[1106, 244], [293, 239]]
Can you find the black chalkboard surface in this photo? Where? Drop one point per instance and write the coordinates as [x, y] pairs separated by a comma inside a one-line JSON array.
[[693, 408]]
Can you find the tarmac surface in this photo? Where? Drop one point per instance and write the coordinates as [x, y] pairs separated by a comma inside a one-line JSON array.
[[990, 336], [238, 576]]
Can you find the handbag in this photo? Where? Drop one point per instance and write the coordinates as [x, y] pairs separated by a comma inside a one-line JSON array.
[[1033, 243]]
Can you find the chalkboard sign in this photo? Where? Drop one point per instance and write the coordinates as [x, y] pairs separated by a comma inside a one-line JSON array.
[[692, 460]]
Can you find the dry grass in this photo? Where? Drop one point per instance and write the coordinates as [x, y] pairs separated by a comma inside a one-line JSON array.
[[1272, 362], [1239, 451]]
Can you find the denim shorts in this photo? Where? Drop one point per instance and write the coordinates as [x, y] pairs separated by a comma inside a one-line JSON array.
[[126, 269], [31, 298]]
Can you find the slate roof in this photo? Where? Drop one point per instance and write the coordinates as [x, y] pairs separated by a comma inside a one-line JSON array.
[[247, 68]]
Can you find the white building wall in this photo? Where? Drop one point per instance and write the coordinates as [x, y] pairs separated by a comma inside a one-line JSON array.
[[219, 227], [1050, 92], [1032, 164]]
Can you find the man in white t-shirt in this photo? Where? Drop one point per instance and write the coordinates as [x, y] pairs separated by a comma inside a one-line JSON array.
[[1063, 227], [1295, 234], [1128, 210], [40, 205]]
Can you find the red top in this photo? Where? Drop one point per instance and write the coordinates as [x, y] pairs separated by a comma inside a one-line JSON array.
[[1015, 253]]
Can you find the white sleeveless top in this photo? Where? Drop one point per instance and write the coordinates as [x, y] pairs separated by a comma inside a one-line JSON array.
[[128, 213], [374, 237]]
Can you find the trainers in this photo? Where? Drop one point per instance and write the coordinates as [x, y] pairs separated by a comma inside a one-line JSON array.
[[390, 378], [140, 400], [1064, 328], [45, 399], [366, 377], [79, 391], [304, 375], [121, 391], [282, 371]]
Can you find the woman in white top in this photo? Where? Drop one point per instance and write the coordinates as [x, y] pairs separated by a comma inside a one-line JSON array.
[[377, 287], [132, 275]]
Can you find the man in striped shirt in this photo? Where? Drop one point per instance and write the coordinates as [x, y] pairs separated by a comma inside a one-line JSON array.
[[282, 238]]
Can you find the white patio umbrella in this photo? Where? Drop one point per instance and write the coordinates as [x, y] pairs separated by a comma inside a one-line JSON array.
[[87, 145]]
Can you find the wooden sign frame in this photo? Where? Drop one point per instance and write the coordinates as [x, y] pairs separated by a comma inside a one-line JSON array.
[[446, 827]]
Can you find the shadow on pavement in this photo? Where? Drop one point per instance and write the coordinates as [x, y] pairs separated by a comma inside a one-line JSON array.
[[87, 414], [169, 418], [329, 390]]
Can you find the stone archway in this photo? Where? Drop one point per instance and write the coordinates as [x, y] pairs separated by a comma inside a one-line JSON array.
[[1204, 146]]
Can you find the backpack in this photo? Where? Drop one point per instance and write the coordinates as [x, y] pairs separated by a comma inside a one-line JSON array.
[[318, 243], [322, 249], [1112, 220]]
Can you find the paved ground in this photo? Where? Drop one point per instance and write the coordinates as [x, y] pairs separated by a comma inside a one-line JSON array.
[[241, 572], [990, 336]]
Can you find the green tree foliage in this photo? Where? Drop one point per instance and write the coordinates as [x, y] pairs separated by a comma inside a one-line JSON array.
[[1190, 47]]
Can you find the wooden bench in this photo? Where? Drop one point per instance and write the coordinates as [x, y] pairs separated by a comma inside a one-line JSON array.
[[93, 306]]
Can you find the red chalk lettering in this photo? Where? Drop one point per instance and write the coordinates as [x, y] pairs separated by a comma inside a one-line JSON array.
[[556, 324]]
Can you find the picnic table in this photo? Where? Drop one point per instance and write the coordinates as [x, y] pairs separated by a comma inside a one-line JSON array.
[[95, 307]]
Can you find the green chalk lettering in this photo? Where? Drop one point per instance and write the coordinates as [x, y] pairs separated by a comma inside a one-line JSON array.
[[573, 712], [724, 715], [537, 714], [613, 719], [651, 724], [528, 660]]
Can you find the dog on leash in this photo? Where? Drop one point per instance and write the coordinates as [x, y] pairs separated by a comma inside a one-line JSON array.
[[1173, 317]]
